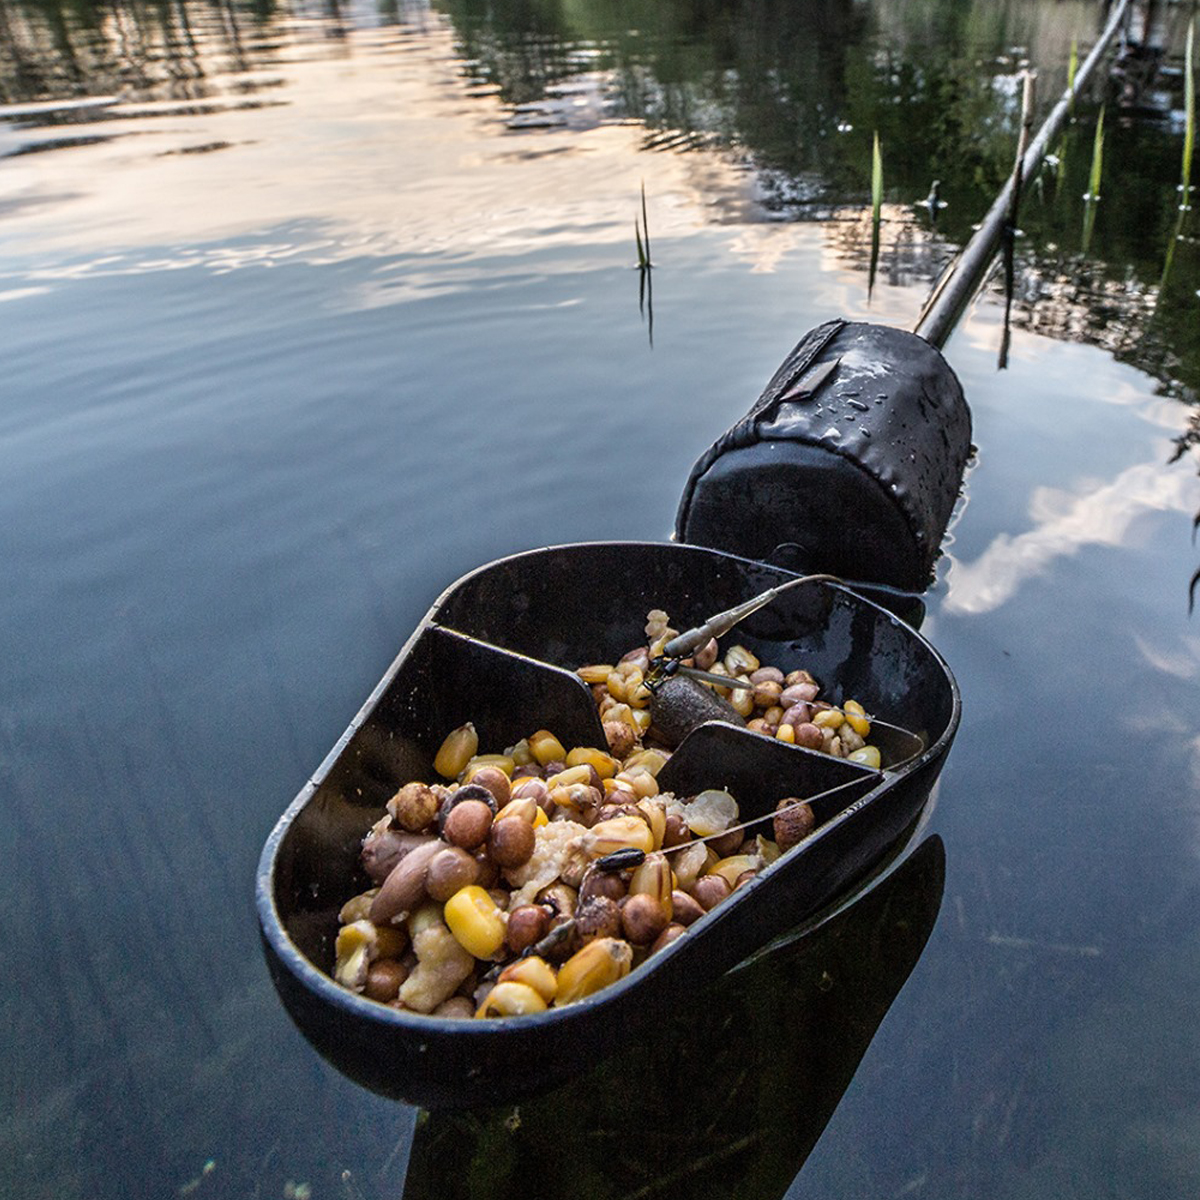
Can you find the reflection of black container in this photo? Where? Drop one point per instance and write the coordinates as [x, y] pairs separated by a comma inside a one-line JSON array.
[[850, 461], [729, 1087]]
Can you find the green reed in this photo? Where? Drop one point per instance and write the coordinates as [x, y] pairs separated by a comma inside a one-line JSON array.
[[642, 234], [1092, 196], [1185, 170], [1072, 68], [876, 209], [1189, 134]]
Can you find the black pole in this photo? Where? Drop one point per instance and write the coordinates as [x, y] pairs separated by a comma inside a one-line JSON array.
[[954, 290]]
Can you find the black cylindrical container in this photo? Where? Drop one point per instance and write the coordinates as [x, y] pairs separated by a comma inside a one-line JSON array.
[[850, 461]]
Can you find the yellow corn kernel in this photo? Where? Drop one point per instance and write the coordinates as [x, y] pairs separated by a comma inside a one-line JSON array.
[[768, 851], [511, 999], [639, 781], [479, 761], [856, 718], [786, 733], [580, 774], [656, 816], [868, 756], [616, 685], [612, 711], [742, 700], [739, 661], [617, 833], [600, 963], [540, 817], [652, 760], [692, 862], [598, 673], [654, 877], [476, 922], [526, 808], [639, 696], [641, 719], [354, 951], [546, 748], [534, 972], [588, 756], [575, 796], [730, 868], [456, 751], [521, 755], [774, 714], [828, 718]]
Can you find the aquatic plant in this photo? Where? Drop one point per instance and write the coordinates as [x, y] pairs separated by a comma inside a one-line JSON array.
[[1092, 195], [1189, 133], [642, 234], [876, 209], [1185, 171], [1072, 68]]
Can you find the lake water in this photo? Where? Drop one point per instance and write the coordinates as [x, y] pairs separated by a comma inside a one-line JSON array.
[[309, 309]]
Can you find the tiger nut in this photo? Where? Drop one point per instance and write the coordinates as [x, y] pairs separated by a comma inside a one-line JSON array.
[[597, 916], [413, 807], [496, 782], [449, 870], [404, 888], [808, 735], [643, 918], [527, 925], [383, 849], [767, 675], [489, 873], [384, 977], [794, 821], [601, 883], [684, 908], [511, 842], [676, 831], [798, 693], [710, 890], [727, 843], [667, 936], [467, 824]]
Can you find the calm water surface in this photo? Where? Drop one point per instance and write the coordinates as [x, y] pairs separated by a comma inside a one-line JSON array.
[[307, 310]]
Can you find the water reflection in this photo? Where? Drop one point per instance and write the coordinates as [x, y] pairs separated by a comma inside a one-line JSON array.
[[165, 427], [789, 97], [731, 1093]]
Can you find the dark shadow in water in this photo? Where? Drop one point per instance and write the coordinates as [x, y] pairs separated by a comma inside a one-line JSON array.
[[730, 1097]]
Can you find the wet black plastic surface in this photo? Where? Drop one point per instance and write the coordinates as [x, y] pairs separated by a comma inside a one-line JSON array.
[[856, 476], [499, 649]]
